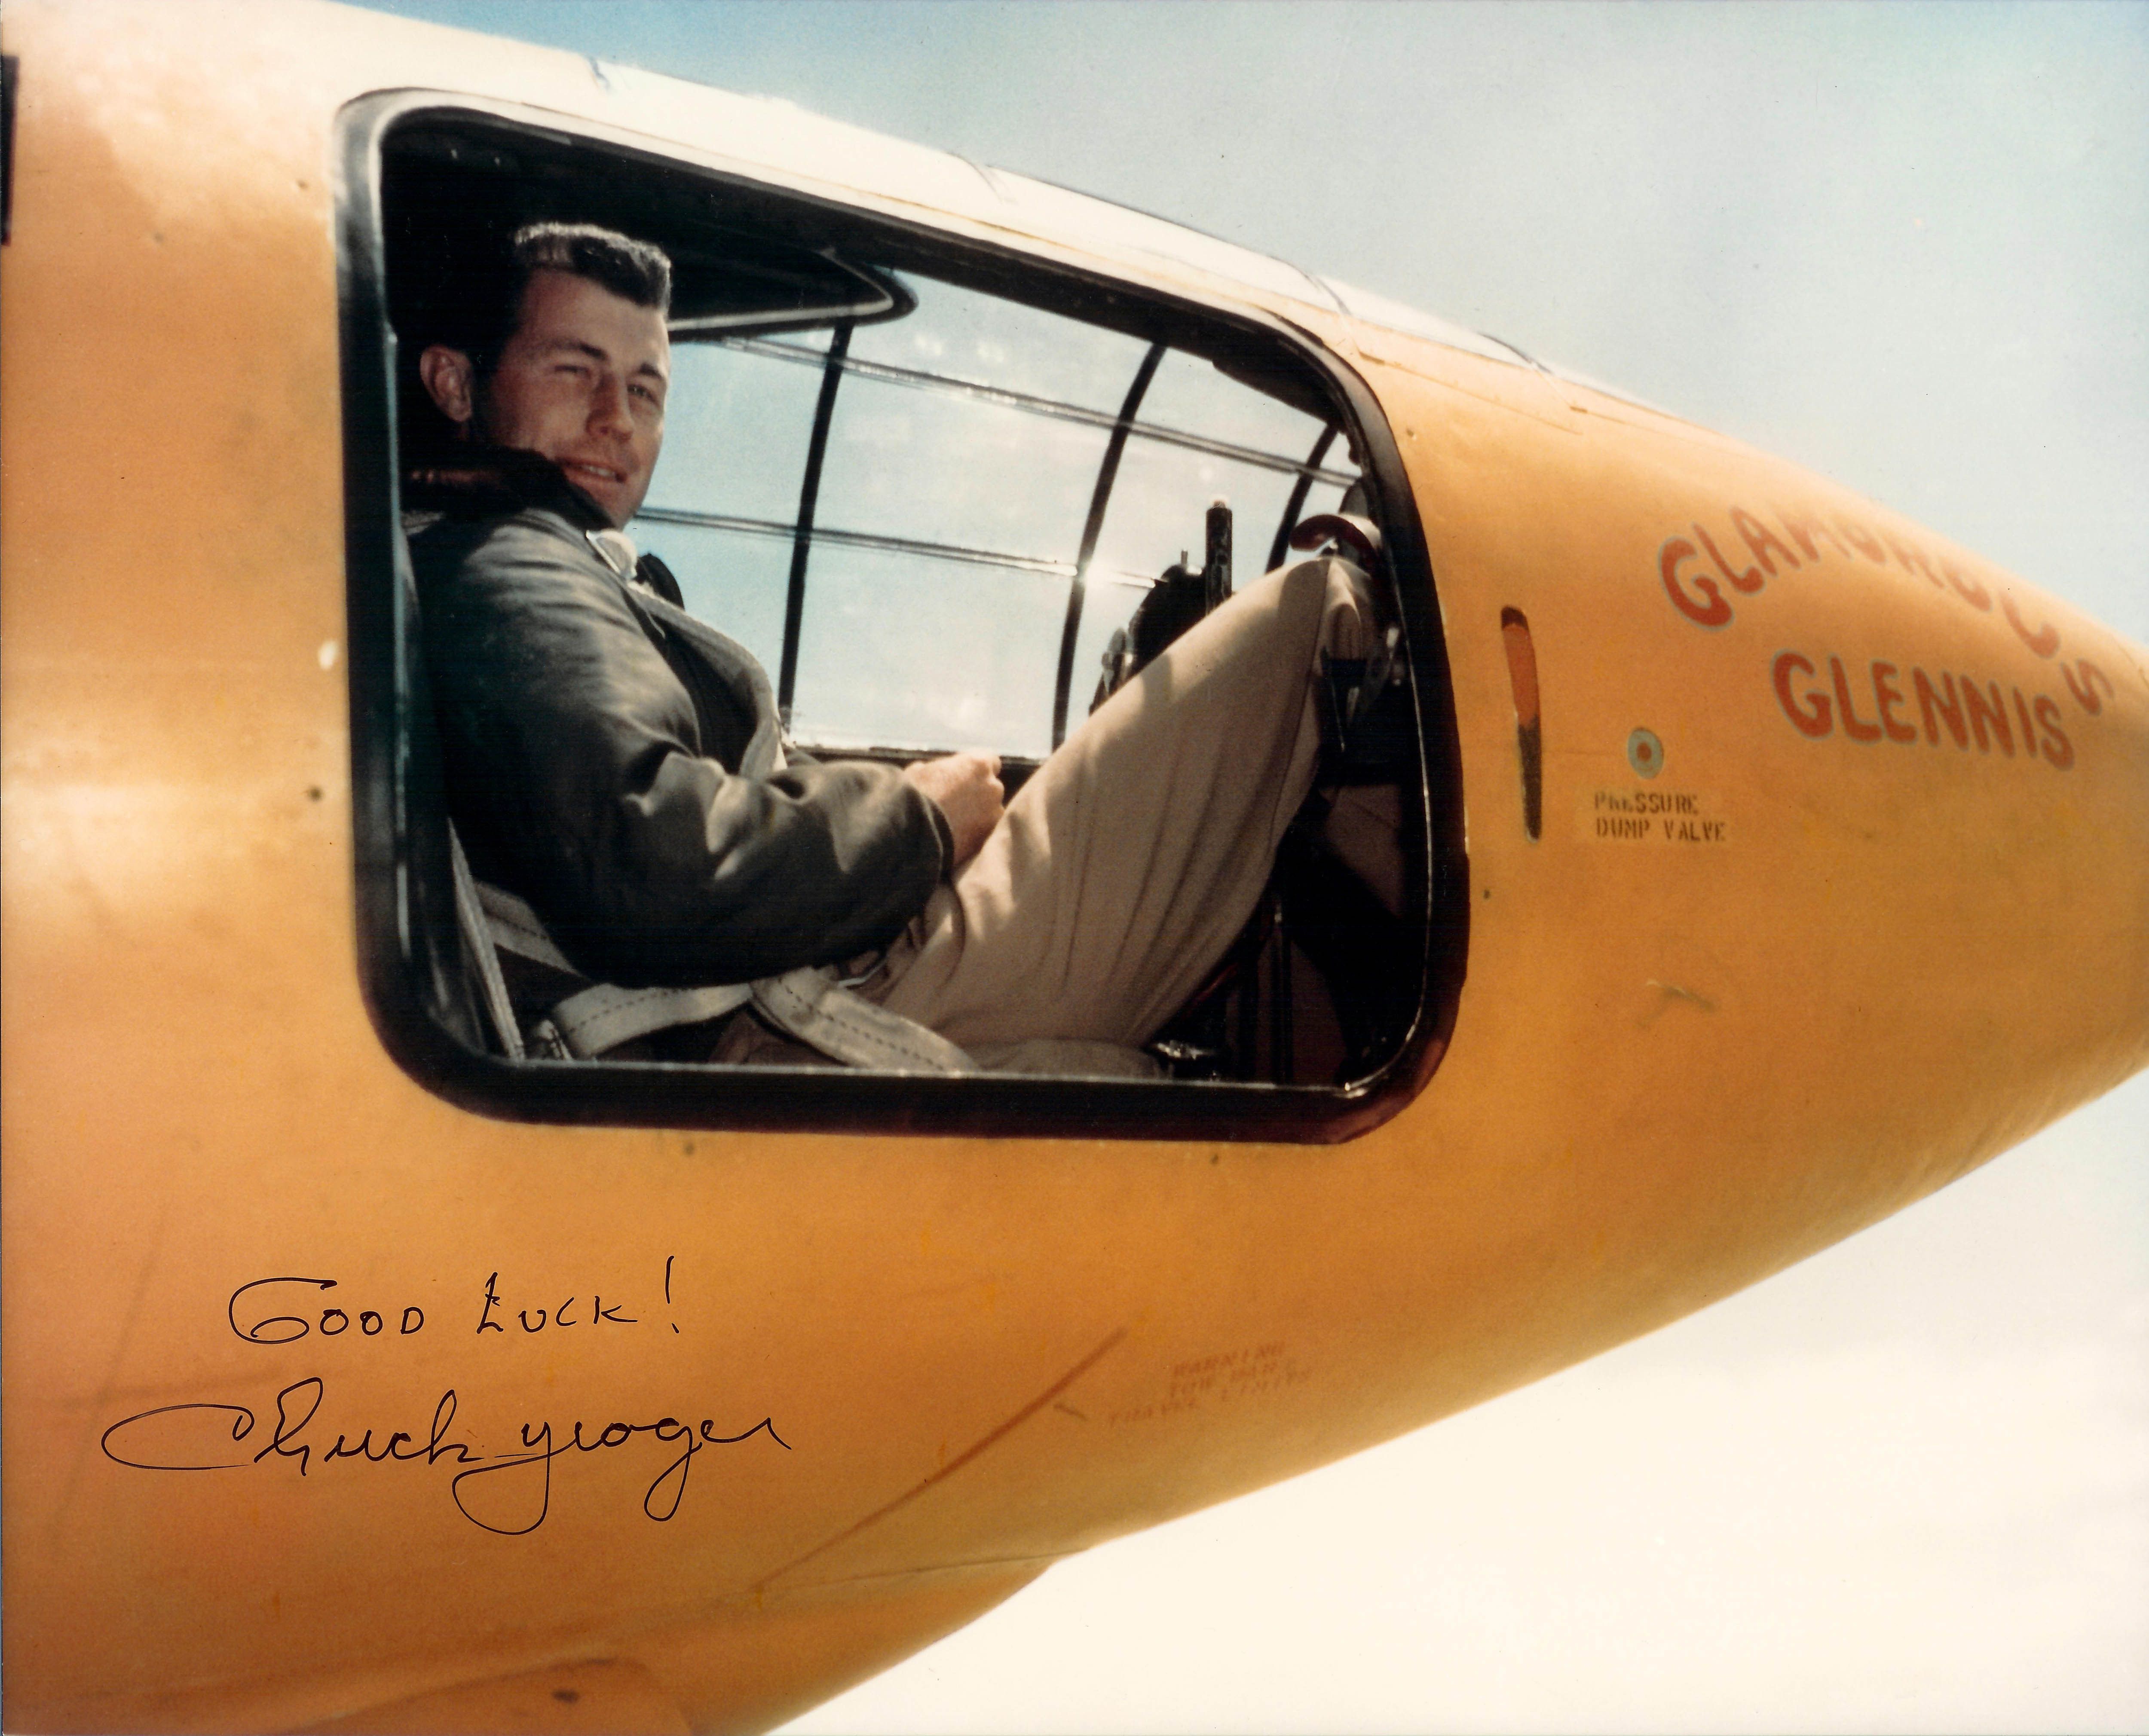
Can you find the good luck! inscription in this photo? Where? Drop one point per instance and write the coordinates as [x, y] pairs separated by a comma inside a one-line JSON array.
[[508, 1492]]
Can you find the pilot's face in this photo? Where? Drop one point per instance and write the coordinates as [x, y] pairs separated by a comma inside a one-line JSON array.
[[583, 381]]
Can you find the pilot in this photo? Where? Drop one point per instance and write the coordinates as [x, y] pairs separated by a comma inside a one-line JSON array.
[[617, 767]]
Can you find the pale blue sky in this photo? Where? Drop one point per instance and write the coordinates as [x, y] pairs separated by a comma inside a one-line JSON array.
[[1906, 1484], [1908, 245]]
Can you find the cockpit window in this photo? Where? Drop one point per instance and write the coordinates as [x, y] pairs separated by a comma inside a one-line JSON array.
[[960, 482], [947, 495]]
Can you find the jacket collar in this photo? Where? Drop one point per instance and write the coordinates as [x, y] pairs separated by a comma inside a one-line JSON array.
[[486, 482]]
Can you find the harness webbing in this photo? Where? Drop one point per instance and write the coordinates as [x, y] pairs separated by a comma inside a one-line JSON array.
[[477, 937], [807, 1004]]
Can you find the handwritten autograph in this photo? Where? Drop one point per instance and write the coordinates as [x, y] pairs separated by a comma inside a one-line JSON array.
[[298, 1404]]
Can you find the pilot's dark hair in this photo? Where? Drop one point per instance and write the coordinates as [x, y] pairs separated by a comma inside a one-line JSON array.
[[469, 296], [637, 271]]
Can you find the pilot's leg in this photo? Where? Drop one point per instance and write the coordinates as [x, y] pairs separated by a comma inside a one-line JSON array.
[[1133, 857]]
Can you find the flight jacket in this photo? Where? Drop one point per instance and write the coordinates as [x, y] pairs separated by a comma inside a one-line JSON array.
[[592, 763]]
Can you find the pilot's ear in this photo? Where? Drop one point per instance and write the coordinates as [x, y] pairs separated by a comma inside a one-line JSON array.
[[449, 381]]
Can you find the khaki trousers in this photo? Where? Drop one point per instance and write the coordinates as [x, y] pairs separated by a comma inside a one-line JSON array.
[[1130, 862]]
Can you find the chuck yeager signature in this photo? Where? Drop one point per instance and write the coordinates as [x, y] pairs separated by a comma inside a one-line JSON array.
[[485, 1486]]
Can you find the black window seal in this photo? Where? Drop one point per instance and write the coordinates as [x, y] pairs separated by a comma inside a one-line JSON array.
[[402, 901]]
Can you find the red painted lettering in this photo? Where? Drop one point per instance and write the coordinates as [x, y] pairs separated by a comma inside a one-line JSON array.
[[1761, 539], [1911, 556], [1713, 613], [1861, 539], [1968, 708], [1749, 581], [1886, 693], [1929, 700], [2029, 730], [1853, 725], [1804, 526], [1982, 712], [1973, 593], [1816, 722], [2058, 749], [2044, 642], [2085, 688]]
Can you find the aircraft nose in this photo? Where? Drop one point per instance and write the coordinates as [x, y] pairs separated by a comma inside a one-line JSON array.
[[1971, 855], [2105, 823], [1841, 885]]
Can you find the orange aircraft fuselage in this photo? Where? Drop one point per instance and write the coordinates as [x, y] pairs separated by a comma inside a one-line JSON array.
[[1839, 886]]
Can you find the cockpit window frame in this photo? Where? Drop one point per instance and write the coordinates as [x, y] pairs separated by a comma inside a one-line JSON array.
[[411, 974]]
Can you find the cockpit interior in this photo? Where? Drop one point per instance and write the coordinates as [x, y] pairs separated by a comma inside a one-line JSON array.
[[950, 494]]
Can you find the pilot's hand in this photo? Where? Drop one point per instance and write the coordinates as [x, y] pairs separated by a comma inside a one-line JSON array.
[[967, 785]]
